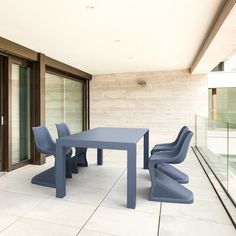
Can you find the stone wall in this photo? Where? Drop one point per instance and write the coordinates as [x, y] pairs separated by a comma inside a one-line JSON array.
[[160, 101]]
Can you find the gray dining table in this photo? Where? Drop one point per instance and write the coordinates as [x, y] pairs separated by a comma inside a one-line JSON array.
[[104, 138]]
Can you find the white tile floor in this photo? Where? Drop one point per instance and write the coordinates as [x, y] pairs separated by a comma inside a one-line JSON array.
[[95, 204]]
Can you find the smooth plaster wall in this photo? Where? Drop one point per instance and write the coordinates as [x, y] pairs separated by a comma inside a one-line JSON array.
[[160, 101]]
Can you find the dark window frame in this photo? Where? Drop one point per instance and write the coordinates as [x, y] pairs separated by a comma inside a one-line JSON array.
[[24, 63], [39, 63]]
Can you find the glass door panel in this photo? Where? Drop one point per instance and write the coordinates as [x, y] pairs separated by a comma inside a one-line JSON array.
[[73, 103], [19, 129], [63, 103]]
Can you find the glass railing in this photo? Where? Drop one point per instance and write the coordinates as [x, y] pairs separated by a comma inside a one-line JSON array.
[[216, 141]]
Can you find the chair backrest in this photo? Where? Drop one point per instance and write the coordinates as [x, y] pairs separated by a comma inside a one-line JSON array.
[[180, 137], [62, 130], [182, 150], [182, 131], [174, 149], [43, 140]]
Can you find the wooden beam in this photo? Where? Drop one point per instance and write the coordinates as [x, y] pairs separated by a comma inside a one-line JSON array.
[[9, 47], [12, 48], [214, 104], [40, 87], [224, 14], [40, 101], [5, 111], [50, 62]]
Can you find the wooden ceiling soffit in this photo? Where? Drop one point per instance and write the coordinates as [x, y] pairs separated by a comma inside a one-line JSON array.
[[220, 42]]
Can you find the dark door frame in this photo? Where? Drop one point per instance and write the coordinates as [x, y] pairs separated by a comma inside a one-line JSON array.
[[1, 112], [7, 156], [4, 113], [39, 63]]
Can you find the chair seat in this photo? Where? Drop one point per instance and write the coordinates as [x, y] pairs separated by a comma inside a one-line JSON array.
[[162, 157], [162, 147]]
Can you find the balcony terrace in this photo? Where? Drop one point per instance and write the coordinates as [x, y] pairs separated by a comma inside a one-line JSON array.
[[95, 203]]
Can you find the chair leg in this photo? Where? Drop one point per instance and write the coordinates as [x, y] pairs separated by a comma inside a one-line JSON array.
[[45, 178], [81, 157], [68, 167], [74, 167], [165, 189]]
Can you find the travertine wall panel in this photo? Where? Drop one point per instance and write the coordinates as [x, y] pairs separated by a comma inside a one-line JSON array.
[[167, 101]]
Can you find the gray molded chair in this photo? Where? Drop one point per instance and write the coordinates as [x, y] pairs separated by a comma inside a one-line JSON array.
[[172, 145], [164, 188], [170, 170], [80, 153], [170, 149], [46, 145]]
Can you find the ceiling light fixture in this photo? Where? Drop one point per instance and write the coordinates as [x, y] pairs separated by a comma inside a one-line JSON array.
[[116, 40], [90, 7]]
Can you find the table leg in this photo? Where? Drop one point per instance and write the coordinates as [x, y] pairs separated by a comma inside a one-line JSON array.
[[131, 177], [146, 150], [60, 175], [99, 157]]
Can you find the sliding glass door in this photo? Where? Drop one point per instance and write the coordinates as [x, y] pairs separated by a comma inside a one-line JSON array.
[[36, 90], [19, 112], [62, 99], [63, 102]]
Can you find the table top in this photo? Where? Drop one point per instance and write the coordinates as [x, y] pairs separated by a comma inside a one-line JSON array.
[[105, 134]]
